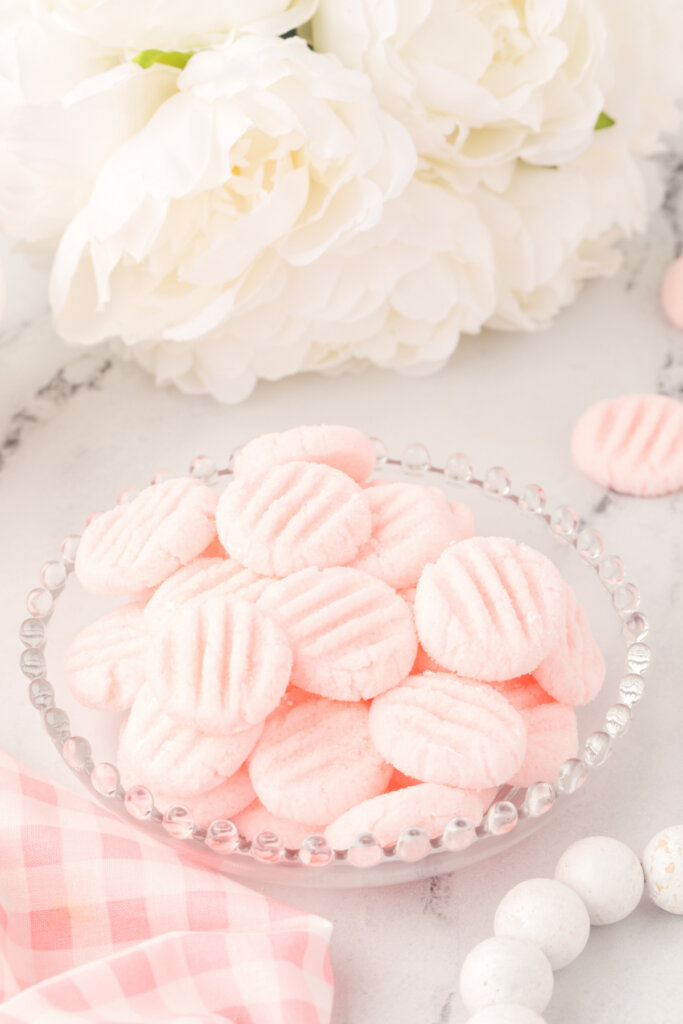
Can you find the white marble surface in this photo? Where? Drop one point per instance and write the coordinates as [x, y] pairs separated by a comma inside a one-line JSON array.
[[75, 428]]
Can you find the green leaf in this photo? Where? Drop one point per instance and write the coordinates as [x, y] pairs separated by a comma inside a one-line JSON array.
[[604, 121], [174, 58]]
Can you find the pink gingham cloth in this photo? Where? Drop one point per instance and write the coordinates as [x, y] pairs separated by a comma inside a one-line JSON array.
[[100, 924]]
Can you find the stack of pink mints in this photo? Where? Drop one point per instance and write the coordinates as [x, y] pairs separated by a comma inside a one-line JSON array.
[[316, 651]]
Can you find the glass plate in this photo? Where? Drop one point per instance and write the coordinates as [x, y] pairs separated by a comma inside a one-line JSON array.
[[86, 739]]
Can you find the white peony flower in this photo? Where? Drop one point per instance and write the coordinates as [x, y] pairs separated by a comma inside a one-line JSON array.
[[129, 26], [479, 84], [556, 228], [398, 295], [267, 158], [65, 105], [645, 99]]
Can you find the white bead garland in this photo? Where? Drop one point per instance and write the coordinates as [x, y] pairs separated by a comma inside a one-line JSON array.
[[607, 876], [547, 913], [503, 970], [543, 924], [663, 865]]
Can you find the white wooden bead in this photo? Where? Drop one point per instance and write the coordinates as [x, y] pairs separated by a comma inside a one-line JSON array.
[[548, 914], [506, 1014], [506, 971], [607, 876], [663, 865]]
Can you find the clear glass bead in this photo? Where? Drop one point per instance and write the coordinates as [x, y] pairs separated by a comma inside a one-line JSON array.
[[222, 837], [611, 570], [381, 453], [638, 657], [636, 627], [590, 544], [41, 694], [127, 495], [40, 603], [625, 597], [598, 749], [415, 459], [413, 844], [618, 720], [458, 468], [497, 482], [32, 663], [205, 469], [631, 689], [572, 776], [458, 834], [139, 802], [57, 724], [53, 576], [177, 821], [69, 550], [32, 633], [268, 847], [315, 851], [564, 521], [105, 778], [540, 798], [532, 499], [365, 851], [501, 818], [77, 753]]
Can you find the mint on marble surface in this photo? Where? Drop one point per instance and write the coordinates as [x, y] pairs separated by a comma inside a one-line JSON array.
[[174, 58]]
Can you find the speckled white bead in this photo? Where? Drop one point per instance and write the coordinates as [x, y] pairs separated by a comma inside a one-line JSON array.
[[506, 971], [663, 866], [506, 1013], [547, 913], [607, 876]]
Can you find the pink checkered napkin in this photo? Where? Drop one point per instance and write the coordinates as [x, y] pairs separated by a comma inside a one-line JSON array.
[[97, 923]]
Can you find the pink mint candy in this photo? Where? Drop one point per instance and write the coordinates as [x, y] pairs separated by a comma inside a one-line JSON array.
[[489, 608], [411, 525], [426, 805], [316, 760], [105, 664], [574, 671], [352, 636], [422, 663], [256, 819], [343, 448], [137, 545], [453, 731], [168, 757], [551, 739], [221, 665], [197, 582], [523, 693], [220, 803], [672, 293], [294, 516], [632, 444]]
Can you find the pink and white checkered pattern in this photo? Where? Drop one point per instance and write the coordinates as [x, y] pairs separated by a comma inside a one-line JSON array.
[[97, 923]]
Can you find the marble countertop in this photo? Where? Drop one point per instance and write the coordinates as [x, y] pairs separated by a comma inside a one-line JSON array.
[[76, 427]]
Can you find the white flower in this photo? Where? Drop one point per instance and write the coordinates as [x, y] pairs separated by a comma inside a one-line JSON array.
[[645, 98], [396, 296], [65, 105], [267, 158], [130, 26], [479, 84], [556, 228]]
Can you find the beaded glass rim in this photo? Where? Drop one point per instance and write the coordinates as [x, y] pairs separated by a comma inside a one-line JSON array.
[[512, 807]]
